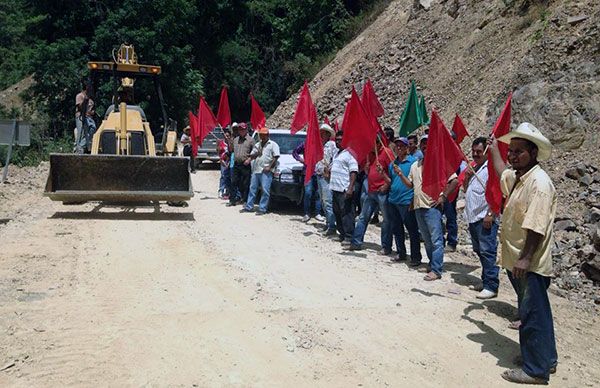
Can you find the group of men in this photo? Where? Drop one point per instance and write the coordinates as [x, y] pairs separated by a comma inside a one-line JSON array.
[[390, 182]]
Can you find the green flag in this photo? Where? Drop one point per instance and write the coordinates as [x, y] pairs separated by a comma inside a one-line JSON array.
[[411, 117], [423, 111]]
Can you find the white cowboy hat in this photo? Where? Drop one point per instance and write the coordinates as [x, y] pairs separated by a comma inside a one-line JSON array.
[[325, 127], [529, 132]]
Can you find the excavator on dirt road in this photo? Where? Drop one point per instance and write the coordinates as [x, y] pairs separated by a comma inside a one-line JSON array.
[[124, 164]]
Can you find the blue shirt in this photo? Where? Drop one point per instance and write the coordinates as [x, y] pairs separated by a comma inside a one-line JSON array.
[[418, 155], [400, 194]]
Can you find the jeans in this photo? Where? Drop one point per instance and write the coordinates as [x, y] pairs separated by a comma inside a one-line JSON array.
[[485, 245], [343, 208], [400, 217], [372, 202], [430, 225], [240, 182], [225, 180], [451, 224], [536, 333], [311, 192], [83, 141], [264, 180], [326, 201]]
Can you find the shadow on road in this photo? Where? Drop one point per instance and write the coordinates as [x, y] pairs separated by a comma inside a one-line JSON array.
[[128, 212], [492, 342]]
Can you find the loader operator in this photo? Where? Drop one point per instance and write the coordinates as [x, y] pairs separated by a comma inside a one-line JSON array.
[[84, 131]]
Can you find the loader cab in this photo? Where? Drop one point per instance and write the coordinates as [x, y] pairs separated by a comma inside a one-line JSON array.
[[149, 130]]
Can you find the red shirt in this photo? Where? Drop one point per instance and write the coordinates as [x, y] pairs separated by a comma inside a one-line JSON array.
[[375, 178]]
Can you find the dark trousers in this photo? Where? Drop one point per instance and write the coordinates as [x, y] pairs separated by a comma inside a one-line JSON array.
[[400, 217], [536, 333], [451, 224], [343, 208], [187, 151], [485, 245], [240, 181]]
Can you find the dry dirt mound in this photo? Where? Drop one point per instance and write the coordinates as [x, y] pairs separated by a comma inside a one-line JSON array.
[[466, 56]]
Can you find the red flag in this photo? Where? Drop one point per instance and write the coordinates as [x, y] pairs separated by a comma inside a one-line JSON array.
[[193, 132], [359, 131], [224, 114], [459, 129], [326, 121], [493, 193], [373, 108], [370, 100], [461, 179], [336, 126], [302, 113], [313, 147], [206, 120], [257, 116], [442, 158]]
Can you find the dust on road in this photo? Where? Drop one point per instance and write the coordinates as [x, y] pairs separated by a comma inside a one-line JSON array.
[[129, 296]]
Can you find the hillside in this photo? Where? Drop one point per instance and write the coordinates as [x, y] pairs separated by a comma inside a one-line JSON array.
[[466, 56]]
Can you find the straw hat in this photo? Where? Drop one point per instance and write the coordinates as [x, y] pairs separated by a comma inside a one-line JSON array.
[[529, 132], [325, 127]]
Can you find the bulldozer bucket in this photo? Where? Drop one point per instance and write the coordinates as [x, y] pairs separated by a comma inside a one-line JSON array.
[[78, 178]]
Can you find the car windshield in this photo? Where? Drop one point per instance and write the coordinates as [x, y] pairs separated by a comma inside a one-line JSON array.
[[287, 142], [216, 133]]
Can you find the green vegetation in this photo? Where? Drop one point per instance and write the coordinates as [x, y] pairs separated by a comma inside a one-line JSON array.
[[265, 46]]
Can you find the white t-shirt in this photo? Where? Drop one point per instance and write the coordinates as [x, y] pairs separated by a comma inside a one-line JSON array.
[[341, 167], [265, 153]]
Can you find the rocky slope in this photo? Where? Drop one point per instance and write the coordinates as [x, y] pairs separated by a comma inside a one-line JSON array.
[[466, 56]]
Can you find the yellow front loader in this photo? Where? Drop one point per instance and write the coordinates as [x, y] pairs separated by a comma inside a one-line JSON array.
[[124, 163]]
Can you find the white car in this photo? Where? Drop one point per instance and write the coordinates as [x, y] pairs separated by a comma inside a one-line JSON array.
[[288, 177]]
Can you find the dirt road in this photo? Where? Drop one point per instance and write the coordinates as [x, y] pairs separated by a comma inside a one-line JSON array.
[[205, 296]]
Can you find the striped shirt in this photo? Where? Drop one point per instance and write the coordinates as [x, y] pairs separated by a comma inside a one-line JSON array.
[[341, 167], [476, 206], [330, 150]]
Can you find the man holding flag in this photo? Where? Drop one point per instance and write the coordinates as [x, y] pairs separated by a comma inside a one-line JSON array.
[[378, 187], [434, 177], [483, 223]]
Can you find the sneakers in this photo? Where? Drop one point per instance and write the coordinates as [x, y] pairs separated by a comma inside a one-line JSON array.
[[319, 218], [476, 287], [329, 232], [305, 218], [486, 294]]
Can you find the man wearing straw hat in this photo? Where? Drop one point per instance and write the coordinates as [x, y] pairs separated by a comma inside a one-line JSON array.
[[526, 243], [323, 170]]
